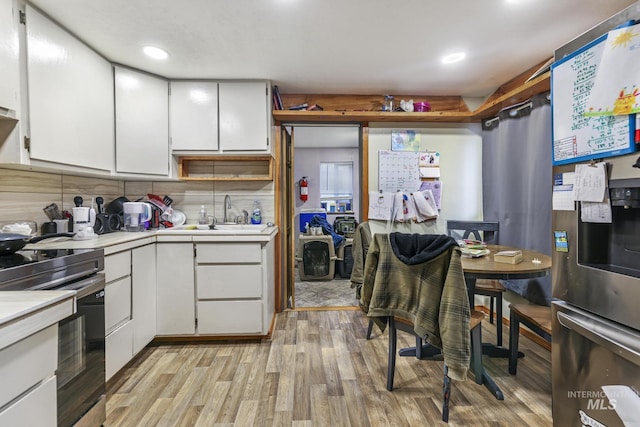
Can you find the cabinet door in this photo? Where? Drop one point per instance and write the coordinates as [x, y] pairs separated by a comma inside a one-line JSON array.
[[230, 317], [9, 48], [143, 283], [35, 408], [229, 281], [70, 98], [142, 123], [194, 116], [118, 349], [117, 301], [176, 291], [244, 116]]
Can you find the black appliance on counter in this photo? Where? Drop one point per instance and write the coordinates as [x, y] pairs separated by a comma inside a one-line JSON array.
[[106, 222], [80, 374]]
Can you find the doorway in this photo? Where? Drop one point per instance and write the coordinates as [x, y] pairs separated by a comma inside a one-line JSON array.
[[325, 155]]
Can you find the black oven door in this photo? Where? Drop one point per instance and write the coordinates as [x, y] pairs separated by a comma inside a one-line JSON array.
[[81, 352]]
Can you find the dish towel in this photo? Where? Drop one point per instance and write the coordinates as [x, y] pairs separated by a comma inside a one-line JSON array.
[[426, 208], [398, 207]]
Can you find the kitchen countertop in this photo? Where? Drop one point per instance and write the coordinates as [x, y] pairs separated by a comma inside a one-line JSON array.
[[122, 240], [25, 312]]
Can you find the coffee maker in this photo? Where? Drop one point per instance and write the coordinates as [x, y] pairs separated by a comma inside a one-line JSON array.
[[83, 220]]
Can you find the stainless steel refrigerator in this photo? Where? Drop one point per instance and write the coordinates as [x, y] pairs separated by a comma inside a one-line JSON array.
[[596, 285], [596, 317]]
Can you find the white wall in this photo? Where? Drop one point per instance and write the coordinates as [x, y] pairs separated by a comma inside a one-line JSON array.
[[460, 148], [307, 163]]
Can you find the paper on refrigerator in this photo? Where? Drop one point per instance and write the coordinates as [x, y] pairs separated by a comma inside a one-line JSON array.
[[590, 182]]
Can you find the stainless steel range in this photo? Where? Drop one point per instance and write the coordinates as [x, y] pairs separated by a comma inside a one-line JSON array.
[[80, 374]]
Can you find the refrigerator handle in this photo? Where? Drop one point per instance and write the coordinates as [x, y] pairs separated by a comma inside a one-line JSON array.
[[614, 339]]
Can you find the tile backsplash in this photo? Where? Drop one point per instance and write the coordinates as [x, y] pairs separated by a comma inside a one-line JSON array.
[[23, 194]]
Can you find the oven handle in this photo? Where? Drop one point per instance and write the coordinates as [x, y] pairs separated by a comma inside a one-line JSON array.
[[92, 284], [619, 341], [62, 280]]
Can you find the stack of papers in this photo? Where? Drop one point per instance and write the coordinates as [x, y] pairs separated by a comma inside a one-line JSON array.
[[474, 253]]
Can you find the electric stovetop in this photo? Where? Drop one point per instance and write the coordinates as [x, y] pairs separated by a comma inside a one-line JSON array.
[[43, 269]]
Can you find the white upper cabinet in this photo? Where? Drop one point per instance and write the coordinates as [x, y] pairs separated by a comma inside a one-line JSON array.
[[142, 123], [70, 98], [194, 116], [9, 48], [244, 116]]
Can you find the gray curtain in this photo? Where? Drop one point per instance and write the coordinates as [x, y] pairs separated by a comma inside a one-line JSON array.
[[517, 184]]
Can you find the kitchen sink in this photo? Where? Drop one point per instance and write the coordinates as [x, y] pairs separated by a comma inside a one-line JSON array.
[[221, 228], [255, 228]]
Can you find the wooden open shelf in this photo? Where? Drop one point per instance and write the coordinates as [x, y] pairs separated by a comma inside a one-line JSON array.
[[225, 168], [452, 109]]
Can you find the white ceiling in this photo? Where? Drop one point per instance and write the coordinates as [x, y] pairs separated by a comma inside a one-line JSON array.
[[335, 46]]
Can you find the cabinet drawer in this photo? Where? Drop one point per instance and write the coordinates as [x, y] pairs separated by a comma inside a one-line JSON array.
[[117, 266], [118, 349], [117, 303], [227, 253], [27, 362], [229, 281], [229, 317], [36, 408]]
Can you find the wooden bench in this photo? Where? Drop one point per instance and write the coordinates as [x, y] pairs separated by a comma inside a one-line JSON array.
[[535, 317]]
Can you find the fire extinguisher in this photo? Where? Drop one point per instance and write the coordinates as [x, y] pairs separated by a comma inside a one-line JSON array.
[[304, 189]]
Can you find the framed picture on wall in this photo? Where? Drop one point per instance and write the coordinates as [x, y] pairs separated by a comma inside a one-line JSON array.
[[405, 140]]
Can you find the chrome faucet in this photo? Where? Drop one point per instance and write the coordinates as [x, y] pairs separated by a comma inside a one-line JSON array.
[[227, 206]]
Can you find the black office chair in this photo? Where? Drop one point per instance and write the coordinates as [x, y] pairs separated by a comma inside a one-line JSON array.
[[491, 288]]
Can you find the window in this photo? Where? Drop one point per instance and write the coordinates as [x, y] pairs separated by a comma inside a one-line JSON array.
[[336, 186]]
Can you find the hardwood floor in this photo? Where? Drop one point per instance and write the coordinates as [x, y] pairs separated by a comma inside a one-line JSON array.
[[318, 369]]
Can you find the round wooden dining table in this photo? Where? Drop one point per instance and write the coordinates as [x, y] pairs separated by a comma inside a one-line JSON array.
[[484, 267], [534, 264]]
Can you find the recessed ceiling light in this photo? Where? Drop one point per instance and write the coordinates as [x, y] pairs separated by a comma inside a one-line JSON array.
[[454, 57], [155, 52]]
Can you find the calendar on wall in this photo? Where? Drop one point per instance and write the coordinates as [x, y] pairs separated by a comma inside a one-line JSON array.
[[398, 171]]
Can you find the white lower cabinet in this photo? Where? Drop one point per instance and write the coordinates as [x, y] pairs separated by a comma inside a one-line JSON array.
[[232, 287], [27, 369], [230, 317], [117, 312], [175, 294], [118, 349], [214, 288], [143, 310], [130, 305], [36, 408]]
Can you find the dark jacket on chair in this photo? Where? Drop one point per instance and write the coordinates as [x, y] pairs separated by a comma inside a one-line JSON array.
[[419, 277], [359, 249]]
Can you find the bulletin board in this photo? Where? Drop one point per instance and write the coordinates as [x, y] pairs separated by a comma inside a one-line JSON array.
[[398, 171], [575, 137]]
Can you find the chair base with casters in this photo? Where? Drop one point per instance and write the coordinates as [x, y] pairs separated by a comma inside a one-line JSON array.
[[535, 317], [475, 327], [494, 290]]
